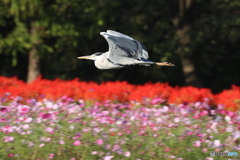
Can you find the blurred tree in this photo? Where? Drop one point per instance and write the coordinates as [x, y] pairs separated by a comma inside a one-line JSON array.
[[201, 37], [183, 24], [33, 23], [215, 42]]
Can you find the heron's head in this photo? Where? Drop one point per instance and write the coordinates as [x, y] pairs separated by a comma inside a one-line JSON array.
[[91, 57]]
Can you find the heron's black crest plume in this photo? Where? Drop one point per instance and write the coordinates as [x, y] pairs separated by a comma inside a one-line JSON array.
[[98, 53]]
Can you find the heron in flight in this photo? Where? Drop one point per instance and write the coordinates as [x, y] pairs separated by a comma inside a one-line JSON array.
[[123, 51]]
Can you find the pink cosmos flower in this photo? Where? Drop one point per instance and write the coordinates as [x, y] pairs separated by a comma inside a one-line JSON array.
[[189, 133], [167, 149], [86, 130], [48, 139], [230, 114], [183, 111], [39, 120], [217, 150], [156, 100], [229, 128], [3, 110], [77, 143], [2, 120], [10, 155], [23, 108], [49, 129], [21, 119], [152, 125], [26, 126], [8, 139], [127, 154], [99, 141], [30, 144], [213, 112], [170, 125], [216, 143], [197, 143], [203, 113], [221, 111], [78, 135], [105, 113], [197, 104], [176, 120], [28, 120], [51, 155], [94, 152], [108, 157], [172, 156], [46, 116], [116, 147], [196, 116], [165, 108], [7, 129], [61, 141], [41, 145]]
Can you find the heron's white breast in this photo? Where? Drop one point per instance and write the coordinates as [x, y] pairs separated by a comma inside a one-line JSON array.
[[102, 63]]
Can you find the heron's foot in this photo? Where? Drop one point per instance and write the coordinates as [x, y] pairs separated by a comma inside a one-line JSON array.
[[164, 64]]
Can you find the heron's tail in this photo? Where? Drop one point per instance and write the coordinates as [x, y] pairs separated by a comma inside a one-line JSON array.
[[164, 64]]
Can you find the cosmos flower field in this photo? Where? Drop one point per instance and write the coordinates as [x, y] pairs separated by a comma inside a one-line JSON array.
[[74, 120]]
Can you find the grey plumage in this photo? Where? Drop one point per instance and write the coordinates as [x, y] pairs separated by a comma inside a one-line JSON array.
[[123, 51]]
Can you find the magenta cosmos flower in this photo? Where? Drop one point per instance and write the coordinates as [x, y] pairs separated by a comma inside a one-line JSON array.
[[99, 141], [77, 143]]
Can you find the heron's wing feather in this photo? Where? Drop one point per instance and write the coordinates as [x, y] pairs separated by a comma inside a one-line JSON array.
[[120, 57], [119, 34], [129, 46], [144, 49]]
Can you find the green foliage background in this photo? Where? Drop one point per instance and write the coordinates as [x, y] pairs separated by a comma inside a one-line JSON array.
[[67, 29]]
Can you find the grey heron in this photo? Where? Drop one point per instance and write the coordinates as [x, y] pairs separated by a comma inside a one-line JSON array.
[[123, 51]]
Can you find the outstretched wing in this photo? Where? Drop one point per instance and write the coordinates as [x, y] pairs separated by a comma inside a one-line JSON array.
[[123, 47]]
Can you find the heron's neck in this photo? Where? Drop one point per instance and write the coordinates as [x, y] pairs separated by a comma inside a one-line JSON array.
[[101, 61]]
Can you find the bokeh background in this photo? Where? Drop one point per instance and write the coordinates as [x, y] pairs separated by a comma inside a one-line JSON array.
[[201, 37]]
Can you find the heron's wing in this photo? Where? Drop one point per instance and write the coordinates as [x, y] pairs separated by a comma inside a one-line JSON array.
[[119, 57], [142, 50], [121, 45], [119, 34]]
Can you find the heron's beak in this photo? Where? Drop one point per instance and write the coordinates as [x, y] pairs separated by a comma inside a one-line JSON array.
[[85, 57]]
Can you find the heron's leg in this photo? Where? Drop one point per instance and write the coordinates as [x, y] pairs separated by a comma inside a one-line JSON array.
[[164, 64]]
